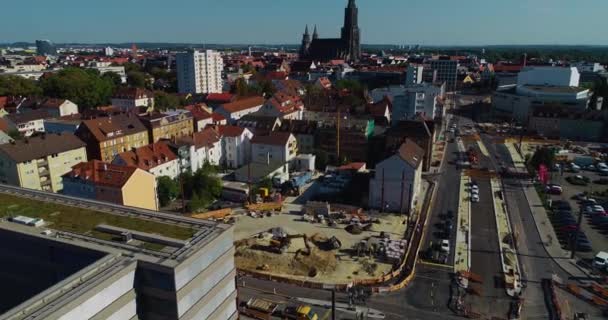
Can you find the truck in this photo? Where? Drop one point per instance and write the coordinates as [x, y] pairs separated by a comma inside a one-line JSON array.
[[302, 312], [299, 179], [259, 309]]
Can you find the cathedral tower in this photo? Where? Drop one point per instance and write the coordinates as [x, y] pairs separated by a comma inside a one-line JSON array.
[[350, 32]]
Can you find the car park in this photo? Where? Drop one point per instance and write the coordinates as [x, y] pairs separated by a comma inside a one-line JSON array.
[[561, 205]]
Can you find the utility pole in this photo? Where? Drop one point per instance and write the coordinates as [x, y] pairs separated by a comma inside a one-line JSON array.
[[333, 304], [338, 136], [578, 230]]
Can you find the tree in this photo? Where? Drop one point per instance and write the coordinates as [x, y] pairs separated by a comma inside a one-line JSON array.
[[544, 156], [86, 88], [18, 86], [168, 190], [202, 187], [164, 101], [131, 67], [321, 160], [137, 79], [114, 77]]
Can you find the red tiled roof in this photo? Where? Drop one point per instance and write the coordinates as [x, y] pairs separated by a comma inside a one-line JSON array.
[[102, 173], [206, 138], [352, 166], [324, 82], [286, 103], [411, 153], [277, 138], [220, 97], [52, 103], [508, 67], [276, 75], [199, 111], [243, 104], [216, 117], [148, 157], [229, 131]]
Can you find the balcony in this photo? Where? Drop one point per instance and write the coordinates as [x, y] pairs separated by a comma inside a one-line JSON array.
[[42, 163]]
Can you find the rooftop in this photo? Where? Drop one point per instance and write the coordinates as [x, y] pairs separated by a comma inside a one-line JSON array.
[[243, 104], [148, 157], [37, 147], [91, 222], [555, 89], [276, 138], [108, 128]]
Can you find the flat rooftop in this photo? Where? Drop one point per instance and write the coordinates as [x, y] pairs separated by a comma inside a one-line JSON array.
[[555, 89], [156, 234]]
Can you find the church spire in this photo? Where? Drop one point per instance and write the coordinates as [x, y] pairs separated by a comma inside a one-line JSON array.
[[351, 4], [315, 35], [306, 31]]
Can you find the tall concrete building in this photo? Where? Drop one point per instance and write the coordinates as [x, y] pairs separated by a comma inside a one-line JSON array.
[[199, 71], [447, 71], [45, 48], [111, 262], [413, 76]]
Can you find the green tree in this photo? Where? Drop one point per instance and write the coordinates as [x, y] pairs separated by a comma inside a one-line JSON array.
[[321, 159], [18, 86], [545, 156], [85, 87], [202, 187], [137, 79], [165, 101], [240, 88], [131, 67], [114, 77], [168, 190], [196, 203]]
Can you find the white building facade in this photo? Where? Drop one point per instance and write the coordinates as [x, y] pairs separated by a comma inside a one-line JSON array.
[[199, 72], [549, 76], [397, 182]]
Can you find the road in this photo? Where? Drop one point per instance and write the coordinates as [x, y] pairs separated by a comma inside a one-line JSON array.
[[535, 263]]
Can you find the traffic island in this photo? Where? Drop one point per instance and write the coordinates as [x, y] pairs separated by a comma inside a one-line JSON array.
[[462, 257], [506, 241]]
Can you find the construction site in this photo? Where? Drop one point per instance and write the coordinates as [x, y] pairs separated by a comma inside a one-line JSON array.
[[321, 242]]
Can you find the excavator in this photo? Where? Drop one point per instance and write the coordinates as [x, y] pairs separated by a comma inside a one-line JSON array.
[[280, 245]]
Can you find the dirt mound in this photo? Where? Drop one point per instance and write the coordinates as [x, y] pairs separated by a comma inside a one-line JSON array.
[[318, 262]]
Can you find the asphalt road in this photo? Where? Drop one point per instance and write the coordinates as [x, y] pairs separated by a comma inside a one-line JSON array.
[[534, 261]]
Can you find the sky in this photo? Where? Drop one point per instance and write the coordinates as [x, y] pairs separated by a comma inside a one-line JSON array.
[[425, 22]]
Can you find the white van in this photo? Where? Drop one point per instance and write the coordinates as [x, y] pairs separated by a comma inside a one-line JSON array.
[[600, 260]]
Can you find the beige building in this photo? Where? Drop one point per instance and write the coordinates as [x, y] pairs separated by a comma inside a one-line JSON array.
[[39, 162], [123, 185], [168, 125], [108, 136]]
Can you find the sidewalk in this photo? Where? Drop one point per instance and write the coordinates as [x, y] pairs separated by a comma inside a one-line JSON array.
[[543, 225], [547, 233]]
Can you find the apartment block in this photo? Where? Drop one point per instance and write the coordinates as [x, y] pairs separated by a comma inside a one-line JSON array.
[[108, 136], [168, 125], [199, 72], [39, 162]]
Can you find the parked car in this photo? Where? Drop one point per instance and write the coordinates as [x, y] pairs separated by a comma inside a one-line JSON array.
[[590, 167], [561, 205], [445, 245], [475, 198], [554, 189], [601, 260]]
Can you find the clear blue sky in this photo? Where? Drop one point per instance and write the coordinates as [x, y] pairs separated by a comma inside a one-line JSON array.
[[427, 22]]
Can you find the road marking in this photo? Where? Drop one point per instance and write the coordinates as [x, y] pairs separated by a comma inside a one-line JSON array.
[[439, 265]]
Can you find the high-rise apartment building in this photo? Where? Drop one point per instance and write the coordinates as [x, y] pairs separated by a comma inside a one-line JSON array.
[[199, 71], [45, 48], [413, 75]]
